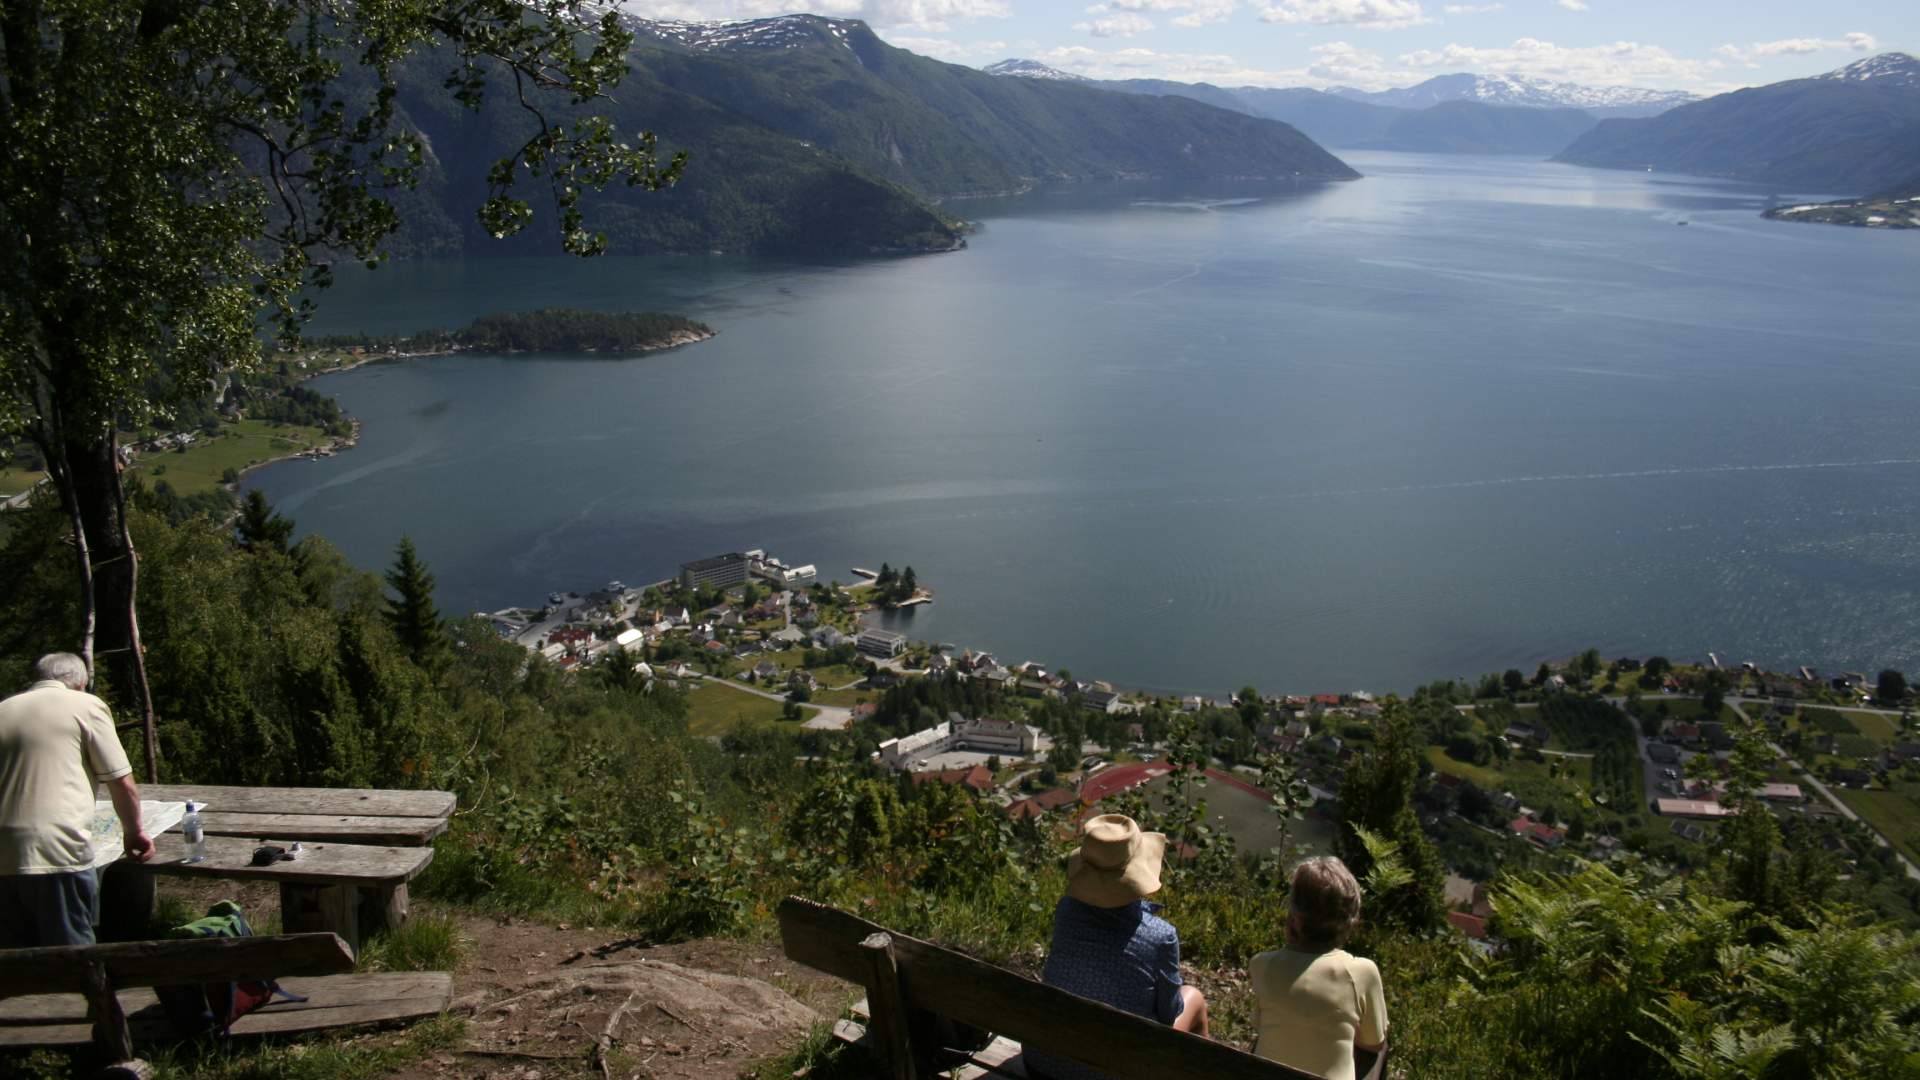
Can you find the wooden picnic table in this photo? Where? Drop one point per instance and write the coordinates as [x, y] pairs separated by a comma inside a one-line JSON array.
[[360, 847], [347, 815]]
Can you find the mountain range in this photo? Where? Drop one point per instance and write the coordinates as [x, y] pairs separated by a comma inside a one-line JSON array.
[[1853, 130], [1524, 91], [1472, 114], [811, 136]]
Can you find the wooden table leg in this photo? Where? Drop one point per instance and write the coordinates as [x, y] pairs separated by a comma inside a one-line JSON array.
[[305, 908], [383, 908]]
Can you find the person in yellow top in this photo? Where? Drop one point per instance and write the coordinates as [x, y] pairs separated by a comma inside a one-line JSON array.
[[1314, 1002], [56, 742]]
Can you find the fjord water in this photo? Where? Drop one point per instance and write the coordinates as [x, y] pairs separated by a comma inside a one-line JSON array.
[[1464, 414]]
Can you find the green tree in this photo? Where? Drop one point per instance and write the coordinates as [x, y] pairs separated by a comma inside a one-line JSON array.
[[259, 528], [1891, 688], [1515, 680], [1713, 696], [171, 170], [410, 611], [1587, 664], [1376, 797]]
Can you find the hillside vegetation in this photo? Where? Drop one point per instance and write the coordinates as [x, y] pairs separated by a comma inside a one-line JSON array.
[[812, 137], [1823, 134], [584, 797]]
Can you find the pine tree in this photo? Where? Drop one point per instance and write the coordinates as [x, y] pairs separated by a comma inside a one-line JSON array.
[[411, 614], [259, 528]]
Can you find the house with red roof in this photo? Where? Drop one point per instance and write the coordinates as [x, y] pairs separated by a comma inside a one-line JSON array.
[[1543, 836], [1034, 806], [979, 778], [1473, 926]]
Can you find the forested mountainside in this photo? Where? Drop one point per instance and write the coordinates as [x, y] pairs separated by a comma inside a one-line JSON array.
[[811, 136], [1852, 130], [1467, 114]]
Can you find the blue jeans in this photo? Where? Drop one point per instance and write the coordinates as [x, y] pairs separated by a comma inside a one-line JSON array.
[[47, 909]]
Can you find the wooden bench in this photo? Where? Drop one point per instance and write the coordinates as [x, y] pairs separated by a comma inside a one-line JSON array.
[[360, 848], [917, 993], [73, 995]]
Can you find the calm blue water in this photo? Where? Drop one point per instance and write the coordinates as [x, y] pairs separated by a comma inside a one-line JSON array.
[[1461, 415]]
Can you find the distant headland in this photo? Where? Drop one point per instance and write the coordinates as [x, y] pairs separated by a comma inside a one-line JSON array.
[[550, 330]]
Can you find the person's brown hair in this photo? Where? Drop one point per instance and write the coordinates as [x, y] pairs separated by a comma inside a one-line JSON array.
[[1324, 907]]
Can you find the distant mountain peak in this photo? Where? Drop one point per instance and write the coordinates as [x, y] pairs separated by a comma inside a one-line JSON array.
[[1032, 69], [1523, 91], [1887, 69], [778, 32]]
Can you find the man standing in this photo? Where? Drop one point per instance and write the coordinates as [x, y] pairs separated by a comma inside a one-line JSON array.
[[56, 742]]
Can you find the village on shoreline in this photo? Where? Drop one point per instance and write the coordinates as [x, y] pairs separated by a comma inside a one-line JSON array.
[[1585, 758]]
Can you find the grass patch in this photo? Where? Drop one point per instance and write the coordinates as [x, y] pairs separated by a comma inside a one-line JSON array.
[[487, 878], [1831, 721], [15, 481], [846, 698], [1884, 730], [1442, 762], [427, 942], [819, 1057], [1895, 813], [714, 709], [342, 1055], [236, 446]]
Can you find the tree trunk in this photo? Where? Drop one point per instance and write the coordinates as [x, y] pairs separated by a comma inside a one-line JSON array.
[[94, 474]]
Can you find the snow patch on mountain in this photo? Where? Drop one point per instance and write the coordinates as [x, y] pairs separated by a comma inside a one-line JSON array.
[[1032, 69], [1887, 69], [1523, 91], [779, 32]]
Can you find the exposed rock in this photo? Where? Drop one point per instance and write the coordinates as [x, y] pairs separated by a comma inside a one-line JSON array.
[[639, 1017]]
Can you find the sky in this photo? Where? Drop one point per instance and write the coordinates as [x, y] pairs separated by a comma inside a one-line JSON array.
[[1703, 46]]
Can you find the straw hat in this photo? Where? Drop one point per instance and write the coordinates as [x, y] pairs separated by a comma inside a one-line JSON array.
[[1116, 864]]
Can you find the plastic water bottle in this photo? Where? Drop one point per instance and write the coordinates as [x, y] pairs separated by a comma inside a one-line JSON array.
[[195, 833]]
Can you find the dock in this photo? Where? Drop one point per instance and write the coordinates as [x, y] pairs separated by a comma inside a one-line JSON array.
[[865, 573]]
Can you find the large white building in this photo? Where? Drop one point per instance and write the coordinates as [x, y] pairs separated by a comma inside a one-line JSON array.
[[982, 735]]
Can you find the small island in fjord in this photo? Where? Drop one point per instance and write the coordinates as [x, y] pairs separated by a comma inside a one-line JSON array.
[[549, 330]]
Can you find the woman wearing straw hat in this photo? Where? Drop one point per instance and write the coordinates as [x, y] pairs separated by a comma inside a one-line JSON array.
[[1314, 1002], [1108, 943]]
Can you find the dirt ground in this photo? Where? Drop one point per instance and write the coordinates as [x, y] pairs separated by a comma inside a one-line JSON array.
[[544, 1002]]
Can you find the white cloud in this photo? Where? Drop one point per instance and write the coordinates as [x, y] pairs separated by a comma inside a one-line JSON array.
[[1370, 14], [1195, 12], [1338, 63], [1123, 24], [1574, 5], [1473, 9], [934, 15], [1621, 63], [1762, 50], [956, 52]]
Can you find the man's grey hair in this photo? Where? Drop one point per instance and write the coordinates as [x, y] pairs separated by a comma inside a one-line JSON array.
[[62, 667]]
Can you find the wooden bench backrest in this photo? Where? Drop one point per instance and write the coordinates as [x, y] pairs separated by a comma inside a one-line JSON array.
[[78, 968], [946, 983]]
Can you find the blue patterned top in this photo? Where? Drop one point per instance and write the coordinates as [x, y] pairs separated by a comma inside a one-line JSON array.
[[1127, 957]]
